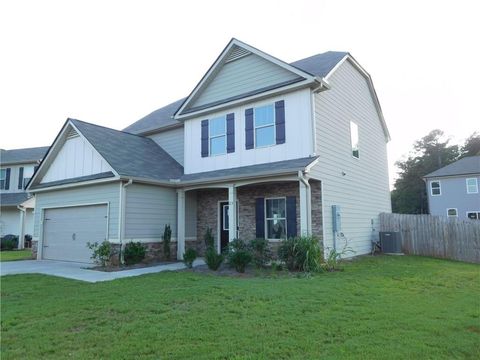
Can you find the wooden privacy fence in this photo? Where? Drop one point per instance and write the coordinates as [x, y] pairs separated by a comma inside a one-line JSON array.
[[436, 236]]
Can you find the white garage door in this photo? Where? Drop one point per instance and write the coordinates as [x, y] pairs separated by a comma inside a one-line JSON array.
[[66, 232]]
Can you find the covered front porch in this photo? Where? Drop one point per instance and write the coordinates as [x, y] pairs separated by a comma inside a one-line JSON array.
[[271, 208]]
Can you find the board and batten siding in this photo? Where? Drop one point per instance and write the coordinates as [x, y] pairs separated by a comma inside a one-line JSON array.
[[148, 209], [360, 186], [76, 158], [172, 141], [241, 76], [298, 133], [101, 193]]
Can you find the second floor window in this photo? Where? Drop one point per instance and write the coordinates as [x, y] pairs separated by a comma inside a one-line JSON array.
[[3, 178], [217, 136], [435, 188], [354, 139], [472, 186], [264, 119], [27, 175]]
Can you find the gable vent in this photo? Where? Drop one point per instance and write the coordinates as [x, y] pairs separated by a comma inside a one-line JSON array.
[[236, 53], [72, 134]]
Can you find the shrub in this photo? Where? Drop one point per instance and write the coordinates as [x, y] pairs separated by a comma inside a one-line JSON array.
[[213, 259], [208, 239], [134, 253], [167, 236], [334, 257], [100, 252], [261, 253], [239, 255], [301, 254], [9, 242], [189, 257]]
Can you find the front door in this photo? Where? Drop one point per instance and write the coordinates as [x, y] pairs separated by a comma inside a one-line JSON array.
[[223, 226]]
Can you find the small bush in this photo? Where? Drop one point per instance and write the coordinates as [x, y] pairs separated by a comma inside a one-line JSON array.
[[134, 253], [261, 253], [9, 242], [189, 257], [332, 263], [100, 252], [167, 236], [301, 254], [239, 255], [208, 239], [213, 259]]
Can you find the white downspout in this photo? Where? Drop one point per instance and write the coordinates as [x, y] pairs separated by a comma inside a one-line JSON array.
[[123, 190], [304, 180], [21, 236]]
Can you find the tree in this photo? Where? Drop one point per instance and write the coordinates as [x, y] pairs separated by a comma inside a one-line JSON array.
[[471, 146], [429, 154]]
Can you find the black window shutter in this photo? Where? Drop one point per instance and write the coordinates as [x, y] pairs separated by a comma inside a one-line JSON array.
[[260, 218], [249, 129], [204, 138], [20, 178], [280, 121], [230, 133], [7, 179], [291, 216]]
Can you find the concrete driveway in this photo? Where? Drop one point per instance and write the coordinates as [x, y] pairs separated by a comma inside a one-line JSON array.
[[78, 271]]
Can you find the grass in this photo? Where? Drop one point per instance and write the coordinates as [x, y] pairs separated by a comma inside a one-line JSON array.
[[378, 308], [13, 255]]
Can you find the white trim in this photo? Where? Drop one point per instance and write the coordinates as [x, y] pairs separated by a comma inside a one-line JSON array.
[[72, 185], [265, 216], [476, 185], [221, 60], [314, 123], [439, 188], [456, 212], [41, 231]]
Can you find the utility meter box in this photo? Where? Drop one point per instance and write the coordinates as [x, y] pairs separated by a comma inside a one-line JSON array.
[[337, 218]]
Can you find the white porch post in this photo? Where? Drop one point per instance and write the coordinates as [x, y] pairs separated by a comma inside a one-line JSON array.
[[180, 224], [305, 228], [21, 236], [232, 212]]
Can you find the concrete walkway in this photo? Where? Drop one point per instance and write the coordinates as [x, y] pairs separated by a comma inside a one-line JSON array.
[[78, 271]]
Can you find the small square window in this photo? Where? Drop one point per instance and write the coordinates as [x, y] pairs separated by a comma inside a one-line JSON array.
[[472, 186], [435, 188], [452, 212]]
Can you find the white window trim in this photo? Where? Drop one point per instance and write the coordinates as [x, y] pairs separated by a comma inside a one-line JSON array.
[[472, 211], [266, 219], [264, 126], [439, 187], [217, 136], [456, 212], [476, 185], [358, 141]]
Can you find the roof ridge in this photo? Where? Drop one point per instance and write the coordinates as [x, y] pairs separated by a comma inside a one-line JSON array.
[[108, 128]]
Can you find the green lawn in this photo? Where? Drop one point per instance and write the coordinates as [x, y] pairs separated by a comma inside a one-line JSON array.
[[378, 308], [15, 255]]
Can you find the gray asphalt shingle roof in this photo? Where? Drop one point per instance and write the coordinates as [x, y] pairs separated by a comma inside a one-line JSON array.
[[13, 199], [464, 166], [285, 166], [130, 155], [317, 65], [104, 175], [27, 155]]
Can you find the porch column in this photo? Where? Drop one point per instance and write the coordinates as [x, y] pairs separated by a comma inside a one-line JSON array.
[[180, 224], [21, 236], [305, 207], [232, 212]]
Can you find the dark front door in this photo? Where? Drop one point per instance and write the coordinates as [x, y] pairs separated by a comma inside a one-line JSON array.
[[223, 226]]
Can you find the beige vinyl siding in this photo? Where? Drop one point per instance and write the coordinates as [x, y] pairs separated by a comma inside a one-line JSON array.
[[101, 193], [363, 191], [241, 76], [172, 141], [148, 209]]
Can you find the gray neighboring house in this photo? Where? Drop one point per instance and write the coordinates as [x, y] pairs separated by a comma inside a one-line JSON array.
[[16, 205], [259, 149], [453, 189]]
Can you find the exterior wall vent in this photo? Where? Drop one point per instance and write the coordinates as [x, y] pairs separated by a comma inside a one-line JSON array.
[[236, 53], [72, 134]]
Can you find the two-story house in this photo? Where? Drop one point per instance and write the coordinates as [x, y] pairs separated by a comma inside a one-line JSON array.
[[259, 149], [453, 189], [16, 207]]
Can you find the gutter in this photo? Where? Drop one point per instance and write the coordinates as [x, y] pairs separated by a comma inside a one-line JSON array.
[[304, 180], [122, 207]]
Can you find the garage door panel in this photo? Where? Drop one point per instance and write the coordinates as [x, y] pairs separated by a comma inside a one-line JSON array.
[[68, 230]]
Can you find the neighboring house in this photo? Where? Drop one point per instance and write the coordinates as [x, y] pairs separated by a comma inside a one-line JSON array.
[[282, 142], [453, 190], [16, 209]]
